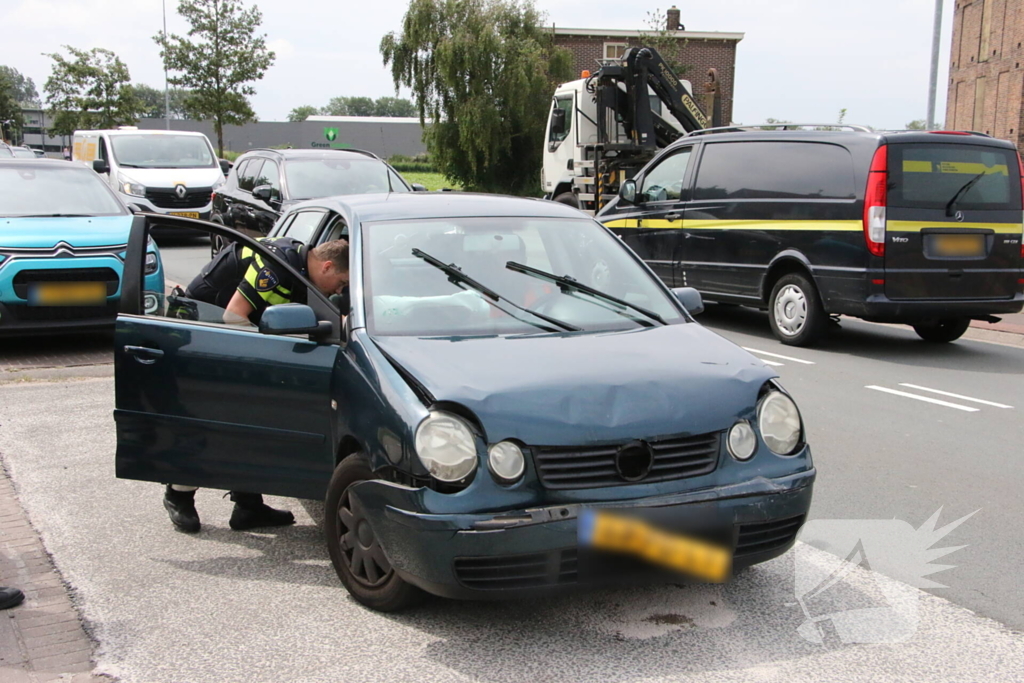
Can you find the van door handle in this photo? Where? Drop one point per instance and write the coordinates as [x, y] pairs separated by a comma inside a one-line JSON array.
[[144, 354], [673, 216]]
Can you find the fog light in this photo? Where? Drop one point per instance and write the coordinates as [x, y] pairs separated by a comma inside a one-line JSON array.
[[150, 303], [742, 440], [506, 462]]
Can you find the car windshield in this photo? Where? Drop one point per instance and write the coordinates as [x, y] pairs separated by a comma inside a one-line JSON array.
[[405, 295], [5, 152], [163, 151], [45, 190], [313, 178], [23, 153]]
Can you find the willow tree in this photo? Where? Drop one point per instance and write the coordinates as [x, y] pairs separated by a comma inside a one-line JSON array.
[[482, 73]]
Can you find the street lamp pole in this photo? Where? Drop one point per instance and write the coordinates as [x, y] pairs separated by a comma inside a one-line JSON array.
[[932, 83], [167, 95]]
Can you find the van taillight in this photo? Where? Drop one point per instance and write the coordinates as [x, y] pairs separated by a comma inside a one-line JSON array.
[[874, 202], [1020, 165]]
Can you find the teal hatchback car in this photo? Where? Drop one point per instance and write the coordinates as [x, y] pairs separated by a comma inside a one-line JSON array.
[[508, 403], [63, 238]]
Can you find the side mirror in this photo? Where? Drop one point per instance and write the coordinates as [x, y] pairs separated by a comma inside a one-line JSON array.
[[690, 299], [558, 121], [416, 187], [225, 167], [627, 192], [264, 192], [100, 166], [292, 319]]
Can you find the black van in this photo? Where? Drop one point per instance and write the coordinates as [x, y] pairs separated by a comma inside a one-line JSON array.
[[922, 228]]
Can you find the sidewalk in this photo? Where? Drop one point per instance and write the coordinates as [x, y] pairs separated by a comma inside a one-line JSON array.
[[41, 639]]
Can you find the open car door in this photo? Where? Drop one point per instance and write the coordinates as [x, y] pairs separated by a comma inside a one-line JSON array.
[[203, 403]]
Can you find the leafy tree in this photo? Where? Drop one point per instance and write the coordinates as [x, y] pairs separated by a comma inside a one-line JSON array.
[[483, 71], [24, 89], [393, 106], [11, 120], [302, 113], [153, 101], [90, 89], [217, 61], [917, 124], [338, 106], [664, 41]]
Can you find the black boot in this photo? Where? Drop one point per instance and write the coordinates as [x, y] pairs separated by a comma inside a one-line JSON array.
[[251, 512], [181, 506], [10, 597]]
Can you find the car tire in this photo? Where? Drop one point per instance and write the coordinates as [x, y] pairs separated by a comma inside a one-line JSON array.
[[569, 199], [943, 331], [355, 552], [795, 311]]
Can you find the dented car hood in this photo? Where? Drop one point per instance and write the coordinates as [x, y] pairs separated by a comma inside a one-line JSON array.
[[565, 389]]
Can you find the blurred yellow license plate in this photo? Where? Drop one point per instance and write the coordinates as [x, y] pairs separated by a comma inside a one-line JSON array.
[[186, 214], [608, 531], [67, 293], [959, 245]]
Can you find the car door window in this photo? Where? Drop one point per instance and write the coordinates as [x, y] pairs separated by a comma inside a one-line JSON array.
[[303, 225], [336, 229], [565, 104], [247, 176], [664, 182], [269, 175]]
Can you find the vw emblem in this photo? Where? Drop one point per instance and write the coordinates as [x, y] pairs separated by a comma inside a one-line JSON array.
[[633, 461], [960, 216], [180, 190]]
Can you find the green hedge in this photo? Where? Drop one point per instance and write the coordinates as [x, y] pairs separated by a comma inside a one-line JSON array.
[[413, 167]]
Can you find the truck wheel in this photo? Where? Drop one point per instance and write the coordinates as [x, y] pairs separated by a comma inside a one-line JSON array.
[[569, 199], [795, 311], [943, 331], [355, 552]]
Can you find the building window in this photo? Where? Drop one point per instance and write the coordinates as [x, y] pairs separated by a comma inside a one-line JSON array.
[[615, 50]]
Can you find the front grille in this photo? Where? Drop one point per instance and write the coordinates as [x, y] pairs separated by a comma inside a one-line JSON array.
[[168, 199], [569, 467], [506, 572], [57, 313], [767, 536], [25, 278]]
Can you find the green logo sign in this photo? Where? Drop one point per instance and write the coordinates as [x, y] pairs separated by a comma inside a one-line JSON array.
[[331, 134]]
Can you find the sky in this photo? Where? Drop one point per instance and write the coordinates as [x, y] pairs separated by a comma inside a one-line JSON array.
[[801, 60]]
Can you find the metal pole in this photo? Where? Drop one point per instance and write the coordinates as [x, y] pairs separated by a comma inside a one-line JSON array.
[[167, 92], [932, 82]]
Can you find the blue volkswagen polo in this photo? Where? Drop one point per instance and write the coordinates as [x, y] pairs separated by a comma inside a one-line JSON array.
[[508, 403], [63, 236]]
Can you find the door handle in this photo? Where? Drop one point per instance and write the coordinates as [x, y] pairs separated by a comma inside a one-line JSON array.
[[673, 216], [144, 354]]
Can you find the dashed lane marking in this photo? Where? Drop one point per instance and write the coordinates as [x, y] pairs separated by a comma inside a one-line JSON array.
[[951, 395], [923, 398], [776, 355], [770, 362]]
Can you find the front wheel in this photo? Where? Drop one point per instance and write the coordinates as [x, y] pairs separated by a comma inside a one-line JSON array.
[[356, 553], [216, 244], [795, 311], [943, 331]]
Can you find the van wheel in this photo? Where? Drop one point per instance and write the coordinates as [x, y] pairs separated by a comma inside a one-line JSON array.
[[943, 331], [568, 198], [796, 314], [355, 552]]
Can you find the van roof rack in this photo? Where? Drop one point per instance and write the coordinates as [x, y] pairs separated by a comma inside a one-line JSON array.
[[782, 126]]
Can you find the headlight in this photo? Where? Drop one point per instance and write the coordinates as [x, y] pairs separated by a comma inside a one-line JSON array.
[[779, 421], [150, 303], [446, 447], [219, 182], [151, 262], [129, 186], [742, 440], [506, 461]]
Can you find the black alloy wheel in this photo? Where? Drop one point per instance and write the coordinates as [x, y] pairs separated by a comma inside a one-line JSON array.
[[356, 554], [943, 331]]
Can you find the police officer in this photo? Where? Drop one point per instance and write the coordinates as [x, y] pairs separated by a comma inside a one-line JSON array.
[[244, 283]]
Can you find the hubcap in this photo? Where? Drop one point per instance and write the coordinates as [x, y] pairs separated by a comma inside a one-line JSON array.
[[363, 554], [791, 310]]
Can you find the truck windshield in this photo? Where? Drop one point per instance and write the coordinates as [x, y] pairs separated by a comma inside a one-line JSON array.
[[163, 151], [930, 176], [44, 190]]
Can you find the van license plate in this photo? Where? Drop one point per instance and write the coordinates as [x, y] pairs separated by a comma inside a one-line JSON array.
[[958, 245], [616, 533], [185, 214], [67, 293]]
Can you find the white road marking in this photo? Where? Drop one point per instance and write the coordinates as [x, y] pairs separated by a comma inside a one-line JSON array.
[[776, 355], [770, 362], [964, 398], [923, 398]]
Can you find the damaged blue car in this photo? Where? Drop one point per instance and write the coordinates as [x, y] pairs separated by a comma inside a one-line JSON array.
[[508, 402]]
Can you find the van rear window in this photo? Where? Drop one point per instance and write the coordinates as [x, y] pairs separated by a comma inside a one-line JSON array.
[[929, 176]]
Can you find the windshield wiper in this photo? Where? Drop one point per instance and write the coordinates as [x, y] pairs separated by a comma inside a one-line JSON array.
[[132, 166], [456, 276], [962, 191], [566, 282]]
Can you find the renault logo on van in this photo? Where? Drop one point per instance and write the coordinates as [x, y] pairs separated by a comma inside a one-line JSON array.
[[960, 216], [180, 190]]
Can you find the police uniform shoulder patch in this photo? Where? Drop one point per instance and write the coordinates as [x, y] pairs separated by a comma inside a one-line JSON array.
[[266, 280]]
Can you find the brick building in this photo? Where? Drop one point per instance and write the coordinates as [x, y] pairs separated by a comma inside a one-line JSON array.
[[986, 78], [698, 50]]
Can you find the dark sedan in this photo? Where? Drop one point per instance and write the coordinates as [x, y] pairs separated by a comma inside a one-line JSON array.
[[513, 404]]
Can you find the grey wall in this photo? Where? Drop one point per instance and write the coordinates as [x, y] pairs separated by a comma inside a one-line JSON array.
[[382, 138]]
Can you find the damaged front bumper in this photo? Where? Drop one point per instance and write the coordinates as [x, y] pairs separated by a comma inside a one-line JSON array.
[[533, 551]]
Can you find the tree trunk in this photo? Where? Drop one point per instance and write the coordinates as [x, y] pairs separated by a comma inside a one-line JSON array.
[[219, 127]]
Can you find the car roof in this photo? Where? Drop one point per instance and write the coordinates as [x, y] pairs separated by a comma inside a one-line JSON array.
[[138, 131], [857, 137], [44, 162], [312, 153], [409, 205]]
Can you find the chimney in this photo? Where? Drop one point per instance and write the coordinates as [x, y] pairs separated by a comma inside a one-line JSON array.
[[673, 20]]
